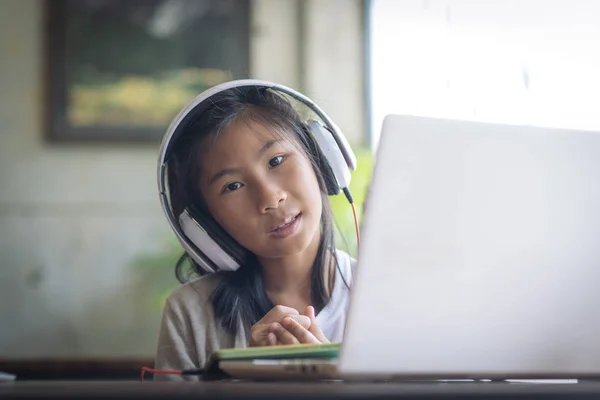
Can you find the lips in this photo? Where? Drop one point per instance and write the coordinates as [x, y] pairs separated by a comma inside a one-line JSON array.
[[285, 223], [286, 227]]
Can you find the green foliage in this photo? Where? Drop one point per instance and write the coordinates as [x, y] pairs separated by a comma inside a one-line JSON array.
[[155, 274], [342, 211]]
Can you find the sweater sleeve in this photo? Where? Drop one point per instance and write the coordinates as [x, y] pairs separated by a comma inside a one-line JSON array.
[[189, 331], [176, 342]]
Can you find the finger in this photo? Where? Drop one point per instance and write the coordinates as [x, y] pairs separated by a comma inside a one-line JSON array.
[[315, 328], [317, 332], [303, 320], [283, 335], [277, 313], [272, 339], [310, 313], [259, 335], [301, 333]]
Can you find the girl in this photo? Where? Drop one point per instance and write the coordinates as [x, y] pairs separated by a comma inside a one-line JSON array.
[[250, 165]]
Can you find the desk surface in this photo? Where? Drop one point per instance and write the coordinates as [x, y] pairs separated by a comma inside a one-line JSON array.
[[294, 390]]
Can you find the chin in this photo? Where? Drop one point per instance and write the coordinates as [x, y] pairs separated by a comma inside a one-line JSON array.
[[284, 248], [281, 251]]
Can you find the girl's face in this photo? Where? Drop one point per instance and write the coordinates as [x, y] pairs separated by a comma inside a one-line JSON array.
[[262, 189]]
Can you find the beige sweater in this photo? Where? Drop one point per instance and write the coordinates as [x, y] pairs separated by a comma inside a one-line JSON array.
[[189, 331]]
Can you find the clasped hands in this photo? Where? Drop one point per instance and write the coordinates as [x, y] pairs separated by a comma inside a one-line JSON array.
[[285, 325]]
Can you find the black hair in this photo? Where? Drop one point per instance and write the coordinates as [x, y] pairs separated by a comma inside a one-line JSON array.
[[240, 296]]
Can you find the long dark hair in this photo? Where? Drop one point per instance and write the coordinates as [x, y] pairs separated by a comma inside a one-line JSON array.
[[240, 296]]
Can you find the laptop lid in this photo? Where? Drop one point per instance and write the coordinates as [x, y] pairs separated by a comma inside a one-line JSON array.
[[480, 253]]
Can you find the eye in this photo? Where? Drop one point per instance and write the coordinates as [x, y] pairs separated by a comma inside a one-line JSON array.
[[233, 186], [275, 161]]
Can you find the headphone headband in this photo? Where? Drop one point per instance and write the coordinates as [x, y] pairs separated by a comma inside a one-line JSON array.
[[173, 132], [172, 129]]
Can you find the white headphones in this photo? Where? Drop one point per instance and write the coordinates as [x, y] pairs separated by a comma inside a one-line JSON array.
[[202, 239]]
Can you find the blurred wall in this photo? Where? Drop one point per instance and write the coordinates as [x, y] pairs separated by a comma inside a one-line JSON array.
[[74, 218], [317, 47]]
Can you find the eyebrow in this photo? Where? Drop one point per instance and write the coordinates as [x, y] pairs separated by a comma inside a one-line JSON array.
[[235, 170]]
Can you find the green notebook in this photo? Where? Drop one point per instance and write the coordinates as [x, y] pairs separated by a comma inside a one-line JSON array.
[[296, 351]]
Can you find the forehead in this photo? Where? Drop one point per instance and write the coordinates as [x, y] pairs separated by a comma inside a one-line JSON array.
[[241, 141], [242, 133]]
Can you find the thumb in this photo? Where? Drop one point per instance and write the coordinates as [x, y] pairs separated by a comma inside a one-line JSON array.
[[303, 320], [310, 313], [315, 329]]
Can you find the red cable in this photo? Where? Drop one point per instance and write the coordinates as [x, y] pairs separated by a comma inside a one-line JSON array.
[[191, 371], [348, 195], [159, 371], [356, 225]]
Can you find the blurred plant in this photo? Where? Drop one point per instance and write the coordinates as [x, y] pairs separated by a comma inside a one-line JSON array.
[[342, 212], [155, 274]]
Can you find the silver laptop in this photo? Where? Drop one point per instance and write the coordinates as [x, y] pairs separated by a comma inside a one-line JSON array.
[[479, 259]]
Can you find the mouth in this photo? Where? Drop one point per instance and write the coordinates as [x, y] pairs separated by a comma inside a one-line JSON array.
[[286, 228]]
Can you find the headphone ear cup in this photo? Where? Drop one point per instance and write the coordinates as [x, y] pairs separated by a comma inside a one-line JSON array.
[[212, 240], [336, 171], [331, 184]]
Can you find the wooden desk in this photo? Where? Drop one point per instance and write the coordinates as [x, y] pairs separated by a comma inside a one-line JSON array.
[[293, 390], [76, 369]]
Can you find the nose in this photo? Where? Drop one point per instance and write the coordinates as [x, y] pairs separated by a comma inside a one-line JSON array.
[[270, 196]]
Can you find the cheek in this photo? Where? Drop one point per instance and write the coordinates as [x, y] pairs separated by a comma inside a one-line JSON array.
[[308, 189], [227, 216], [235, 219]]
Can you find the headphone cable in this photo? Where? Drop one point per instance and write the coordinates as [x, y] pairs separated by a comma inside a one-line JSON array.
[[192, 371], [348, 195]]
